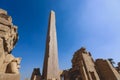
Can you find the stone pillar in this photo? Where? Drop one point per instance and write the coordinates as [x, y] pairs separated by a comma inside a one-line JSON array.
[[51, 67]]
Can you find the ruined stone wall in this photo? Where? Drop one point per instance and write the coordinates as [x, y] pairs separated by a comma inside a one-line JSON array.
[[65, 75], [83, 67], [36, 75], [78, 67], [106, 70], [90, 67]]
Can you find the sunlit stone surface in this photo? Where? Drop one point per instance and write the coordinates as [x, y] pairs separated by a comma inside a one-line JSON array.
[[9, 65]]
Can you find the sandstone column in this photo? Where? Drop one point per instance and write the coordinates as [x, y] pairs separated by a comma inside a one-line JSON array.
[[51, 67]]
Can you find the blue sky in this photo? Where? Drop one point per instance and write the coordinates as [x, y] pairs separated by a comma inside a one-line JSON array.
[[94, 24]]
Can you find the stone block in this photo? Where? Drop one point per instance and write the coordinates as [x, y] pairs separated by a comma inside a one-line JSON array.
[[4, 76]]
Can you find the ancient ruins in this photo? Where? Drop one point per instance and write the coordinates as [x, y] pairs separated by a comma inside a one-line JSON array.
[[9, 65], [83, 65]]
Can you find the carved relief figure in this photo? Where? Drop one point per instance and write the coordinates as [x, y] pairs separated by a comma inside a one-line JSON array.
[[8, 39]]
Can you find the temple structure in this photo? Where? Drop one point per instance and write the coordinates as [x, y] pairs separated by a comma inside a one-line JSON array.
[[9, 65], [83, 65], [36, 75], [85, 68]]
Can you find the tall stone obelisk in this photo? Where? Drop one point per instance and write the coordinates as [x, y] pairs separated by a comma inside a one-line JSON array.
[[51, 66]]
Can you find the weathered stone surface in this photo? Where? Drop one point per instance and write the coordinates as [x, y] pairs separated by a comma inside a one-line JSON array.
[[83, 65], [36, 75], [13, 66], [3, 11], [8, 38], [84, 68], [51, 67], [4, 18], [7, 60], [5, 22], [118, 67], [106, 70], [4, 76], [2, 54]]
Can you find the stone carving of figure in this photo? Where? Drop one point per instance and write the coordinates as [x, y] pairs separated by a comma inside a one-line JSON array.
[[8, 39], [13, 66]]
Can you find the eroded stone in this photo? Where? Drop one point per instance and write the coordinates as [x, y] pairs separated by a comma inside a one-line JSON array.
[[8, 38]]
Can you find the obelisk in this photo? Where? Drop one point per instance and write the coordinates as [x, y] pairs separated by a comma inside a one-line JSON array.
[[51, 66]]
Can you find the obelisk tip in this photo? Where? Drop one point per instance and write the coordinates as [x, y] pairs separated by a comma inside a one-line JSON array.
[[52, 12]]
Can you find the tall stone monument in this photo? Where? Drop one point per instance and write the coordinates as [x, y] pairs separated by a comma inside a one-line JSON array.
[[83, 65], [9, 65], [51, 67]]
